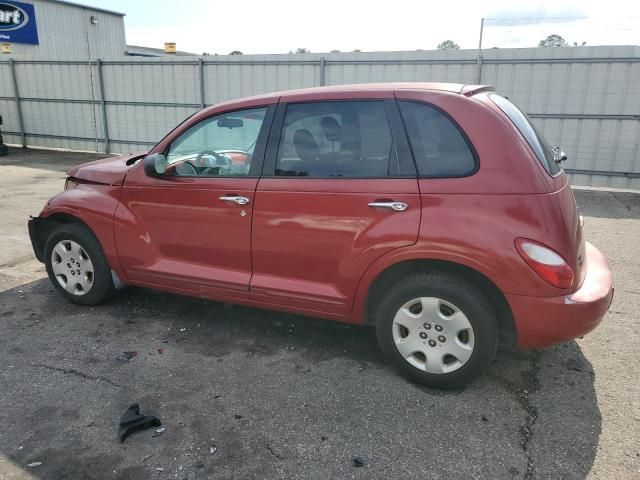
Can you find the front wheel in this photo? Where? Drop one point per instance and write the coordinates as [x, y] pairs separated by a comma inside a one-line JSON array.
[[77, 266], [437, 329]]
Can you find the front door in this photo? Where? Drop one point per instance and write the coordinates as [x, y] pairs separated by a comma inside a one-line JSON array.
[[189, 230], [339, 192]]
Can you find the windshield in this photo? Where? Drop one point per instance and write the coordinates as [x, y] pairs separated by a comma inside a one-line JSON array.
[[531, 133]]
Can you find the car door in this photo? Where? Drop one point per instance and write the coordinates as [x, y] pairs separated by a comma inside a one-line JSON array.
[[189, 229], [339, 190]]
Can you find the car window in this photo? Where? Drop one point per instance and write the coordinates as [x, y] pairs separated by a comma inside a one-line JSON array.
[[336, 139], [222, 145], [439, 148], [534, 137]]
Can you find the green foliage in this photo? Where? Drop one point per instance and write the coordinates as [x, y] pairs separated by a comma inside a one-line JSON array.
[[553, 41], [448, 45]]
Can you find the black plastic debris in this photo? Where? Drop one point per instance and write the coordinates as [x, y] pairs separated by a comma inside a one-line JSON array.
[[133, 421], [126, 356], [358, 462]]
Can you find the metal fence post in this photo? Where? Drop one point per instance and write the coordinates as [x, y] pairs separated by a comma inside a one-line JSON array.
[[201, 75], [103, 101], [18, 104], [322, 68], [479, 73]]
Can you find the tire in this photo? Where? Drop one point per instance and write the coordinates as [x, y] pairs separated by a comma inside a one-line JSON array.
[[79, 263], [437, 329]]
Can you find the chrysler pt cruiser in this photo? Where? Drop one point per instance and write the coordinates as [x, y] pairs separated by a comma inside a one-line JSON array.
[[436, 212]]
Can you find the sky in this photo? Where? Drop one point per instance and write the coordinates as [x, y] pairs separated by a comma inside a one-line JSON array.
[[278, 26]]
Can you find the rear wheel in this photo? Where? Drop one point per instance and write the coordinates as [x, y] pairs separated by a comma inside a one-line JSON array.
[[77, 266], [437, 329]]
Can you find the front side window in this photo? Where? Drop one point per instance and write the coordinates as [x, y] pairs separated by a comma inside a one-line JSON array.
[[220, 146], [336, 139], [439, 148], [534, 137]]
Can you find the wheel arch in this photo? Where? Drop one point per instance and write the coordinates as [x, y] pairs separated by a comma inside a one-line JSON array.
[[393, 273], [40, 229]]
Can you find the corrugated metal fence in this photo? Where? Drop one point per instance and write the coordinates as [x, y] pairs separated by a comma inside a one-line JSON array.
[[586, 99]]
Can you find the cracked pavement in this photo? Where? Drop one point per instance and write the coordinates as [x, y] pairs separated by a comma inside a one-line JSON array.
[[275, 395]]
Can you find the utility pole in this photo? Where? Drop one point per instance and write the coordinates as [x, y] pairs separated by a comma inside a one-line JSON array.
[[479, 72]]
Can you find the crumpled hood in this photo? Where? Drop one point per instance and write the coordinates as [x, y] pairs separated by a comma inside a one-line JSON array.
[[108, 171]]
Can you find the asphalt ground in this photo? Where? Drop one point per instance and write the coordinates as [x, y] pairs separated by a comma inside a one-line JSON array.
[[247, 393]]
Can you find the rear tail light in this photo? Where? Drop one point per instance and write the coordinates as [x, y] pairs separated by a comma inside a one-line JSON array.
[[545, 262]]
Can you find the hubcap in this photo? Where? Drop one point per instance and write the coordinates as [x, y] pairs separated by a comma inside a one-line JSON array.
[[447, 349], [72, 267]]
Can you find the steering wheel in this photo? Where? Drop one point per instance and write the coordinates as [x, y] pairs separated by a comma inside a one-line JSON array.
[[221, 160]]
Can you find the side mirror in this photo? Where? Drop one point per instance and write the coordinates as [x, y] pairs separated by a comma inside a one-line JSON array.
[[155, 164]]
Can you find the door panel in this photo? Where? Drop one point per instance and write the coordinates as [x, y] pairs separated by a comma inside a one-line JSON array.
[[178, 233], [189, 229], [314, 238]]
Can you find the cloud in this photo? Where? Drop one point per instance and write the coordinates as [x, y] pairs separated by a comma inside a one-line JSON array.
[[521, 15]]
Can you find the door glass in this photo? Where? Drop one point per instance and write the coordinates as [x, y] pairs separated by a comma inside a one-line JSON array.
[[222, 145], [336, 139]]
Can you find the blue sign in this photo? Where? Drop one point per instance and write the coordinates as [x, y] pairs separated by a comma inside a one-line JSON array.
[[18, 23]]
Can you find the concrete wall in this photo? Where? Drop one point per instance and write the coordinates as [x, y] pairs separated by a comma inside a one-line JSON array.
[[586, 99], [65, 31]]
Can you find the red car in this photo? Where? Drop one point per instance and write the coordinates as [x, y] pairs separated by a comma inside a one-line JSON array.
[[436, 212]]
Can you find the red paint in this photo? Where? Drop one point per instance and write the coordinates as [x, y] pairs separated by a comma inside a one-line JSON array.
[[313, 246]]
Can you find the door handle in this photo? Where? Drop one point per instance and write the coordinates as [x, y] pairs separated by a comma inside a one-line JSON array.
[[235, 199], [395, 206]]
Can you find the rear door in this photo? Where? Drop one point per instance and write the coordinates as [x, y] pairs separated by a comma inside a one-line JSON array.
[[338, 190]]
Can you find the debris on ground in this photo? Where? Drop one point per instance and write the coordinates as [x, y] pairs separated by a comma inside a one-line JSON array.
[[158, 432], [158, 469], [133, 421], [183, 329], [161, 351], [34, 464], [484, 419], [144, 459], [213, 449], [125, 357], [357, 462]]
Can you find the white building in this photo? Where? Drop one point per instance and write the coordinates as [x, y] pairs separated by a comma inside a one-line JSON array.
[[56, 29]]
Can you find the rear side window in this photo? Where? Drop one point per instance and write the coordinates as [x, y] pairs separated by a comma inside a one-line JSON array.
[[336, 139], [534, 137], [439, 147]]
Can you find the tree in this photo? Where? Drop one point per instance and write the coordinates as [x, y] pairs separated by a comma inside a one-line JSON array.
[[302, 50], [553, 41], [357, 50], [235, 52], [448, 45], [575, 44], [334, 51]]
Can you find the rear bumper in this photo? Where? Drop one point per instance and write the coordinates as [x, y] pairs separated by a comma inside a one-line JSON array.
[[543, 321]]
